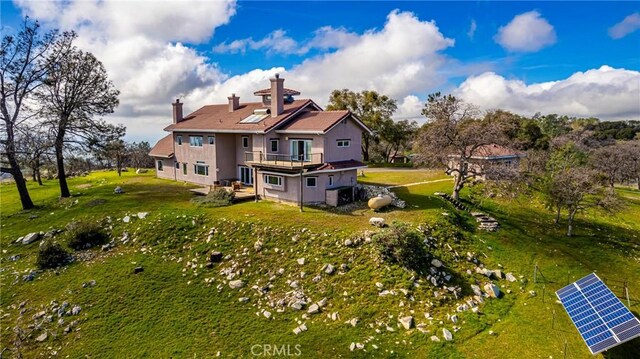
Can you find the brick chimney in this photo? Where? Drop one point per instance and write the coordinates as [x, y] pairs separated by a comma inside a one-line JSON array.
[[177, 111], [277, 96], [234, 102]]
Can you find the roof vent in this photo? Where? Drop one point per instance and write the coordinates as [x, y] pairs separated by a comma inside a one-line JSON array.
[[262, 111]]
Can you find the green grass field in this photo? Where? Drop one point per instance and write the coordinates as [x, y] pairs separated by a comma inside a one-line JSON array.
[[179, 308]]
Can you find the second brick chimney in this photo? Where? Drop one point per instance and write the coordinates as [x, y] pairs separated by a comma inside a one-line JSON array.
[[177, 111], [234, 102], [277, 96]]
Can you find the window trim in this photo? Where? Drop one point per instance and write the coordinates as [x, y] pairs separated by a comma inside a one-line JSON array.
[[194, 137], [280, 180], [277, 142], [243, 140], [306, 181], [343, 143], [179, 140], [211, 140], [201, 164], [160, 165]]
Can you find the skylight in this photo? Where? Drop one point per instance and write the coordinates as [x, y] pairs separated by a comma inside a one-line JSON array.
[[254, 118]]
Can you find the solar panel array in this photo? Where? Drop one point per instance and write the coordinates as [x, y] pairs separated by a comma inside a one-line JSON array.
[[600, 317]]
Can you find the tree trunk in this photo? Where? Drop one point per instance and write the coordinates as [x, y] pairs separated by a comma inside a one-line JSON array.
[[572, 213], [557, 220], [37, 171], [33, 174], [62, 178], [365, 148], [457, 187], [21, 184]]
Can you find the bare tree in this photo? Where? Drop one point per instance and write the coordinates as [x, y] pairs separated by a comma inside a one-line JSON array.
[[452, 137], [23, 67], [610, 161], [77, 89], [139, 155], [34, 146], [631, 158]]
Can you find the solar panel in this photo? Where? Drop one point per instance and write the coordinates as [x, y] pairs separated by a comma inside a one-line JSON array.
[[600, 317], [254, 118]]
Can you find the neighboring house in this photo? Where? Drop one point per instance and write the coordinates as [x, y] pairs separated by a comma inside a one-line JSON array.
[[489, 156], [286, 149]]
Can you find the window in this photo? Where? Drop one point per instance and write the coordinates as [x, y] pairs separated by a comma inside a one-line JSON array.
[[179, 140], [330, 180], [245, 142], [273, 180], [160, 166], [177, 165], [312, 181], [201, 169], [274, 145], [184, 169], [344, 143], [195, 141], [212, 140]]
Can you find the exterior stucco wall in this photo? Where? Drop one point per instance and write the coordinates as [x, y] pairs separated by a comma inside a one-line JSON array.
[[290, 191], [346, 129], [226, 156], [168, 169], [188, 154]]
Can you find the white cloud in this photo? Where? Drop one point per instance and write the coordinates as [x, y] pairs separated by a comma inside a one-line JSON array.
[[630, 24], [472, 29], [385, 60], [410, 108], [275, 42], [606, 93], [527, 32]]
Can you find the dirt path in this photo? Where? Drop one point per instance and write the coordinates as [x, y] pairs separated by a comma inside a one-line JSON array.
[[419, 183]]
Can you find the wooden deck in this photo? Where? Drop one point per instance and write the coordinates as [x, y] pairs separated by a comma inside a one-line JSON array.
[[244, 193]]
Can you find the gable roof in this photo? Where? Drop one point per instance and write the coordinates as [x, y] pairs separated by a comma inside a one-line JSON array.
[[163, 148], [286, 91], [217, 118], [314, 121]]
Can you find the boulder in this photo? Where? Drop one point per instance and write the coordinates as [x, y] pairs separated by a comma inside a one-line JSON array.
[[492, 290], [126, 219], [447, 334], [329, 269], [30, 238], [498, 274], [454, 319], [407, 322], [300, 261], [215, 257], [243, 299], [510, 277], [322, 302], [137, 270], [266, 314], [258, 245], [234, 284], [142, 215], [76, 310], [377, 203], [476, 290], [376, 221], [348, 242], [42, 337], [436, 263], [313, 309], [118, 190], [434, 338]]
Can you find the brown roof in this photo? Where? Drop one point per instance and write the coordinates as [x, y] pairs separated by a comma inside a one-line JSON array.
[[338, 165], [319, 121], [218, 118], [163, 148], [494, 150], [268, 92]]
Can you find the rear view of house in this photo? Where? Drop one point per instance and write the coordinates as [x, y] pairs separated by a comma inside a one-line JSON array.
[[286, 149]]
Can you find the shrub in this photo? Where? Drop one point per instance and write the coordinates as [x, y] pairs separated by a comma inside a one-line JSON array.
[[217, 198], [402, 245], [52, 256], [83, 235]]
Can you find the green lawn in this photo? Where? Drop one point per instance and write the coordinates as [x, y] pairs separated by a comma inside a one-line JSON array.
[[170, 310]]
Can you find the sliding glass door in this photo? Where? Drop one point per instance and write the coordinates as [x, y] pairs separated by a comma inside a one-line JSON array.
[[301, 150]]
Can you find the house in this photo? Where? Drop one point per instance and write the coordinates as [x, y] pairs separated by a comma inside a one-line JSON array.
[[286, 149], [487, 157]]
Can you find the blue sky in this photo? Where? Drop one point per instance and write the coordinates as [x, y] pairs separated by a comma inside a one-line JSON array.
[[573, 58]]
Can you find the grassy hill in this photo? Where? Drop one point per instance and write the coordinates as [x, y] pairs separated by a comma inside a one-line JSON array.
[[177, 307]]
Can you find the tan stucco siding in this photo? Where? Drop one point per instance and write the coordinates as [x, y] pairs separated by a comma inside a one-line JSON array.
[[190, 155], [345, 130]]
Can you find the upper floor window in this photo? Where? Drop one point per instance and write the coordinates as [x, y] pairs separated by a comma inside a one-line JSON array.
[[195, 141], [274, 145], [201, 169], [179, 139], [245, 141], [330, 180], [312, 181], [212, 140], [160, 166], [344, 143]]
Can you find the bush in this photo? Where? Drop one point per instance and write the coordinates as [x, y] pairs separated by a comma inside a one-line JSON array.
[[402, 245], [52, 256], [83, 235], [217, 198]]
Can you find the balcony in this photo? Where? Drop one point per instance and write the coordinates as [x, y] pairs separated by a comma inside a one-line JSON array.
[[285, 161]]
